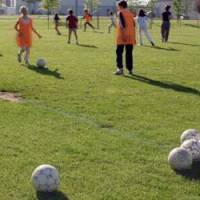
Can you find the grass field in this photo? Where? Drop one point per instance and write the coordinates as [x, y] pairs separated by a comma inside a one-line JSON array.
[[108, 136]]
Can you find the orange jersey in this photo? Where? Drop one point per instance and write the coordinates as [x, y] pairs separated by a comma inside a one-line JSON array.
[[126, 35], [24, 37], [88, 18]]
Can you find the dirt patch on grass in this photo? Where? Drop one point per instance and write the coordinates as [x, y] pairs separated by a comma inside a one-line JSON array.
[[10, 96]]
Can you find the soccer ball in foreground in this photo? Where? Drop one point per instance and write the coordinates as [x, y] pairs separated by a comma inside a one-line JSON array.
[[180, 159], [41, 62], [190, 134], [192, 146], [45, 178]]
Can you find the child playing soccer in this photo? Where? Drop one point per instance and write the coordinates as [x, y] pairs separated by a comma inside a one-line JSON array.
[[57, 23], [24, 28], [126, 37], [143, 21], [88, 18], [112, 24], [72, 24], [165, 27]]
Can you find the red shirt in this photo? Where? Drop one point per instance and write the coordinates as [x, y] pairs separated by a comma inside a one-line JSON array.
[[72, 21]]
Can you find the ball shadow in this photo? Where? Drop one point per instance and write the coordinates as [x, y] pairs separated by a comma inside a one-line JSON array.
[[193, 173], [45, 71], [51, 196]]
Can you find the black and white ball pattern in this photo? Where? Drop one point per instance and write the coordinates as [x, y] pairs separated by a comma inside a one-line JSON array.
[[41, 63], [180, 159], [190, 134], [45, 178], [193, 146]]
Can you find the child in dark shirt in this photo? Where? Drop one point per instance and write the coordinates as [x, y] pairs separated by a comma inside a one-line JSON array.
[[57, 23], [165, 27], [72, 24]]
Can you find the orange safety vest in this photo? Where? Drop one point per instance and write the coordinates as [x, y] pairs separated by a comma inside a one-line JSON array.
[[126, 35], [24, 37], [88, 18]]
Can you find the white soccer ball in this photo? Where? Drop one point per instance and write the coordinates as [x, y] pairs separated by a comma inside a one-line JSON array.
[[180, 159], [45, 178], [192, 146], [41, 62], [190, 134]]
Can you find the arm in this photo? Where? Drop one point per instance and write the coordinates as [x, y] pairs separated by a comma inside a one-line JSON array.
[[122, 21], [16, 26], [33, 29]]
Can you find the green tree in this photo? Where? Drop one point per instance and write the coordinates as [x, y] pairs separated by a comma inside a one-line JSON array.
[[93, 6], [50, 5], [151, 5], [178, 8]]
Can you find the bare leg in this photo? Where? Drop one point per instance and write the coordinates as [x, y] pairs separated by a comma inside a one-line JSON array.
[[69, 36], [76, 36], [19, 56], [57, 30], [27, 55], [85, 26]]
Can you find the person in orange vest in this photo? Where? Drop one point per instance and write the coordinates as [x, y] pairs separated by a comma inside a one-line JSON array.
[[88, 18], [24, 28], [126, 38]]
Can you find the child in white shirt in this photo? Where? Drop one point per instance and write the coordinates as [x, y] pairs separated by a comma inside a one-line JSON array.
[[143, 22], [113, 23]]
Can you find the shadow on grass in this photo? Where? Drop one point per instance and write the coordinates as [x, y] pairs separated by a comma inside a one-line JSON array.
[[51, 196], [161, 48], [100, 32], [185, 44], [45, 71], [87, 46], [1, 55], [170, 86], [193, 26], [192, 174]]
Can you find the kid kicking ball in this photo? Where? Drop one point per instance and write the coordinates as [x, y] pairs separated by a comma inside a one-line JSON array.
[[41, 63], [45, 178]]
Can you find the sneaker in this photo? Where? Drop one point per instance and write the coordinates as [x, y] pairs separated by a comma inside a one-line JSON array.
[[152, 43], [130, 73], [68, 42], [119, 72], [19, 58], [27, 62]]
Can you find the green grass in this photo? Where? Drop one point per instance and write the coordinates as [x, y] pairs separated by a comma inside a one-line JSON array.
[[108, 136]]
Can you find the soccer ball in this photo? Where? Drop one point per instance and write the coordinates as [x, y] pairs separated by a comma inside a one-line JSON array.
[[192, 146], [41, 62], [190, 134], [45, 178], [180, 159]]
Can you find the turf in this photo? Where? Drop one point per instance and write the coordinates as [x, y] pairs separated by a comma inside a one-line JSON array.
[[108, 136]]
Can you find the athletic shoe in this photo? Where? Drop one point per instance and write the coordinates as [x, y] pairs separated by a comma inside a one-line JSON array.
[[130, 73], [27, 62], [152, 44], [19, 58], [119, 72]]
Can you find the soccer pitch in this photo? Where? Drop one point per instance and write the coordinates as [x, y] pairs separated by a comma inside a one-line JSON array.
[[109, 136]]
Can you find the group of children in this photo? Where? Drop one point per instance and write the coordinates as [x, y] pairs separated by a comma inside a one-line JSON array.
[[125, 32]]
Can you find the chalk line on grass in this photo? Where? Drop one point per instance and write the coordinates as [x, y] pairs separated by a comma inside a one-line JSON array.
[[92, 123]]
